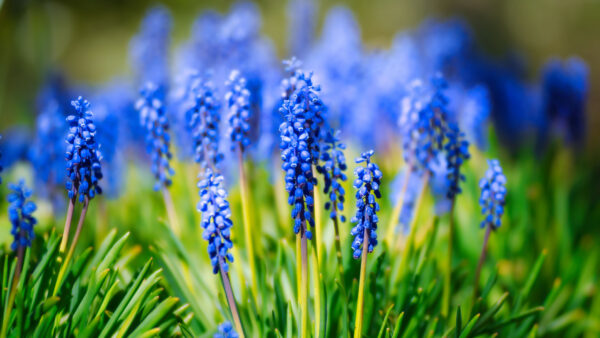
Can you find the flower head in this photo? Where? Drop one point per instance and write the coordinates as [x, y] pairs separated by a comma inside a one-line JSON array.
[[297, 162], [457, 151], [226, 330], [202, 118], [154, 120], [332, 167], [238, 103], [20, 213], [83, 155], [493, 194], [367, 182], [216, 219]]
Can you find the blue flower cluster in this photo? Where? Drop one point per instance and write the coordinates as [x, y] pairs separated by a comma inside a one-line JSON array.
[[226, 330], [83, 155], [203, 117], [457, 151], [238, 103], [367, 182], [297, 162], [20, 213], [216, 219], [1, 162], [493, 195], [154, 120], [332, 166]]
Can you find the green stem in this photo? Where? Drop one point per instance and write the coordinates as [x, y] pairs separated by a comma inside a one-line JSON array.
[[397, 211], [448, 276], [488, 230], [247, 227], [231, 300], [65, 237], [317, 285], [338, 245], [13, 290], [361, 286], [304, 284], [171, 213], [65, 264], [317, 217]]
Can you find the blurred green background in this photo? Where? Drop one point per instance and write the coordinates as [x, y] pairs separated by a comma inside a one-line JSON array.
[[89, 39]]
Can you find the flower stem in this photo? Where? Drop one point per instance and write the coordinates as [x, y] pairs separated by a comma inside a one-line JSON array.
[[304, 284], [488, 230], [231, 300], [448, 276], [13, 290], [171, 214], [65, 237], [397, 211], [361, 286], [247, 227], [317, 217], [338, 245], [317, 285], [65, 264]]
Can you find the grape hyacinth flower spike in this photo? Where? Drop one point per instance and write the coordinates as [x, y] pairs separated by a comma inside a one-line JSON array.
[[492, 199], [238, 104], [367, 182], [457, 152], [226, 331], [153, 119], [20, 213], [83, 163], [216, 222]]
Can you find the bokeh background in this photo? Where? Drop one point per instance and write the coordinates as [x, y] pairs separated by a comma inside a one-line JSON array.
[[89, 40]]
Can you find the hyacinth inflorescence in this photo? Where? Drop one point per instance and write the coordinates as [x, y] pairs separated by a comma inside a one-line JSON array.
[[203, 117], [297, 162], [367, 182], [332, 167], [424, 123], [457, 151], [493, 195], [226, 330], [83, 155], [154, 120], [20, 213], [216, 219], [238, 104]]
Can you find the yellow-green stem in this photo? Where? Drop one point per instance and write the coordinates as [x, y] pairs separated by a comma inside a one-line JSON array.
[[448, 276], [171, 213], [488, 230], [304, 284], [397, 211], [13, 290], [231, 300], [65, 237], [317, 285], [318, 216], [247, 227], [361, 286], [65, 264], [338, 245], [412, 229]]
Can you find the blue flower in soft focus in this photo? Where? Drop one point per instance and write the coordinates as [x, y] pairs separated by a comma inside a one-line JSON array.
[[83, 155], [238, 104], [302, 21], [446, 45], [16, 147], [1, 162], [565, 91], [493, 195], [367, 182], [202, 117], [457, 151], [415, 184], [216, 219], [154, 120], [472, 109], [226, 330], [149, 49], [20, 213], [297, 162], [332, 166], [423, 122]]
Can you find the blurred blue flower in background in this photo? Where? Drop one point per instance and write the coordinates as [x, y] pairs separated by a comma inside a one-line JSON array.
[[493, 194], [226, 330], [237, 99], [20, 213]]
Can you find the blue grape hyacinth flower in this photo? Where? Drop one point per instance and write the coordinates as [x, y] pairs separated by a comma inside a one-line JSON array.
[[238, 104], [216, 219], [367, 182], [154, 120], [83, 155], [203, 117], [226, 330], [297, 162], [493, 195], [332, 167], [20, 213], [457, 151]]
